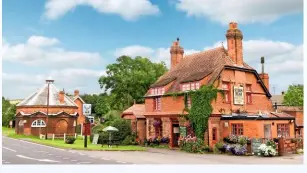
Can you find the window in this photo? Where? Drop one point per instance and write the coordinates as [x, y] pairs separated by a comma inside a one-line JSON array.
[[197, 85], [237, 129], [226, 89], [38, 123], [157, 91], [213, 133], [163, 91], [152, 91], [249, 94], [158, 103], [187, 101], [282, 130], [193, 86]]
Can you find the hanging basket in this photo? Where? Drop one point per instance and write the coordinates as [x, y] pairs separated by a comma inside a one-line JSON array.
[[157, 123]]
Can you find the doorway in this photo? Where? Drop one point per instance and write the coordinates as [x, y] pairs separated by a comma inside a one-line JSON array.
[[267, 131], [176, 135]]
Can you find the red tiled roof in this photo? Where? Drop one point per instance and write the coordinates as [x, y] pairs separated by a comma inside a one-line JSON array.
[[282, 115], [197, 66], [137, 110], [290, 108]]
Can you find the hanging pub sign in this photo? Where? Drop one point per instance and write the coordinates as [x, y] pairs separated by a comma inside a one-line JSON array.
[[87, 109], [238, 96], [86, 129]]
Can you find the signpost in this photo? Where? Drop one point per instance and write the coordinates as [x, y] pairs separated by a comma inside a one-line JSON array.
[[86, 132], [95, 139], [87, 109], [183, 131]]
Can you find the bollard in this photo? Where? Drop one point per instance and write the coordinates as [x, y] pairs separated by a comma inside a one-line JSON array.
[[64, 136], [76, 135], [53, 136]]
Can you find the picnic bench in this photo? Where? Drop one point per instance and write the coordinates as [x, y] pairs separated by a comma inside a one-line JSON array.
[[110, 143]]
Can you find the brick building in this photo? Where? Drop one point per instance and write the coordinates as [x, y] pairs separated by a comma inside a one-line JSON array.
[[64, 113], [138, 122], [245, 109]]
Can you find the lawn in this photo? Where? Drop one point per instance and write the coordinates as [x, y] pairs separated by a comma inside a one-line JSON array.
[[78, 145]]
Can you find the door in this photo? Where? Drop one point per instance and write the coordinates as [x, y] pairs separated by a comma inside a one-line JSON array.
[[61, 127], [20, 127], [267, 131], [176, 134]]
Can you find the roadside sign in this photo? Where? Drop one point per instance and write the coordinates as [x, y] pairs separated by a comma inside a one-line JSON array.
[[95, 139], [87, 109], [86, 129]]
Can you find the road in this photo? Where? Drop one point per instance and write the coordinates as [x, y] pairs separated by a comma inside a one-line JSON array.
[[22, 152]]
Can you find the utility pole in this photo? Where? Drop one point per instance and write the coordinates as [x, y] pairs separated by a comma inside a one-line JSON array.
[[48, 86]]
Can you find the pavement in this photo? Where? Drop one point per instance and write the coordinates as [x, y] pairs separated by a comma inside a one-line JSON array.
[[23, 152]]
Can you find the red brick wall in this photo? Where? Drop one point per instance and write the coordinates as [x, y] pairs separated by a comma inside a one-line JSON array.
[[81, 118], [51, 110], [52, 122], [141, 129]]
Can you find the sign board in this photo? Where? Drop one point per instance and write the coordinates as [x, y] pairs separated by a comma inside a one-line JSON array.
[[255, 145], [238, 95], [183, 131], [87, 109], [95, 139], [86, 129]]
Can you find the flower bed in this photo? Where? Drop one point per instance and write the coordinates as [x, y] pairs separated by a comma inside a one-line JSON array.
[[192, 145], [268, 149], [156, 141]]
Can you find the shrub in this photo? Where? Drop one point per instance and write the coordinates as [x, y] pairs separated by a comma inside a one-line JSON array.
[[235, 149], [124, 129], [70, 140], [219, 147], [192, 145], [165, 140], [267, 150]]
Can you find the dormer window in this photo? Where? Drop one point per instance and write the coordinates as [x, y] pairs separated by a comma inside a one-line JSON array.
[[189, 86], [157, 91]]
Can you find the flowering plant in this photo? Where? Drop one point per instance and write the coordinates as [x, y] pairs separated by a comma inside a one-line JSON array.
[[157, 123], [235, 149], [192, 144], [265, 150]]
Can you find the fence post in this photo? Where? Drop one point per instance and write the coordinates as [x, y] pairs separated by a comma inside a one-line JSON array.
[[76, 135], [64, 136], [53, 136]]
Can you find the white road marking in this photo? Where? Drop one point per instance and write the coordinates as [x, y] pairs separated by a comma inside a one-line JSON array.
[[58, 156], [41, 151], [120, 162], [35, 144], [9, 149], [7, 162], [92, 156], [66, 158], [74, 160], [81, 154], [84, 163], [40, 160], [105, 159], [50, 154]]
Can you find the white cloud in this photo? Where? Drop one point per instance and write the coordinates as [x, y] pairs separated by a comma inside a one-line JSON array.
[[44, 51], [283, 61], [127, 9], [246, 11], [20, 85], [156, 55]]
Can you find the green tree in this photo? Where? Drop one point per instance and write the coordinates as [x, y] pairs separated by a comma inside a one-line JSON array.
[[100, 103], [294, 95], [129, 79], [8, 112]]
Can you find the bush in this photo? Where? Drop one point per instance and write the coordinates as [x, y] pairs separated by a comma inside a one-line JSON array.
[[70, 140], [219, 147], [124, 129], [130, 140], [192, 145], [267, 150], [235, 149]]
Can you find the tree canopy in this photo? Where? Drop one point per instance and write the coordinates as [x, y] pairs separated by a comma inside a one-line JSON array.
[[8, 112], [294, 95], [129, 79]]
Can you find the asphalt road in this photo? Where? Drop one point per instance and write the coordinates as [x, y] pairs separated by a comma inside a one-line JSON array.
[[22, 152]]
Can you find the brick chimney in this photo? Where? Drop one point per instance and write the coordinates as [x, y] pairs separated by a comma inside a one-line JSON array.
[[234, 43], [176, 53], [264, 76], [76, 93], [61, 97]]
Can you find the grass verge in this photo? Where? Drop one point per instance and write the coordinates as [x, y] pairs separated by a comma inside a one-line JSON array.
[[78, 145]]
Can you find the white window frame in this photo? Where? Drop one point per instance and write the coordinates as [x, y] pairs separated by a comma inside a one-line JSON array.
[[38, 123], [197, 86]]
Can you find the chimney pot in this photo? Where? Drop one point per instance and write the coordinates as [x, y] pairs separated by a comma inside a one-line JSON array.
[[61, 97], [76, 92]]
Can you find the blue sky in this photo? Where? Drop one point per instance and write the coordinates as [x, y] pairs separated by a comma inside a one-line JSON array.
[[73, 42]]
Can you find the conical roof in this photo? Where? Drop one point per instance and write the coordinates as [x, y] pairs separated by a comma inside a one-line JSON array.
[[39, 98]]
